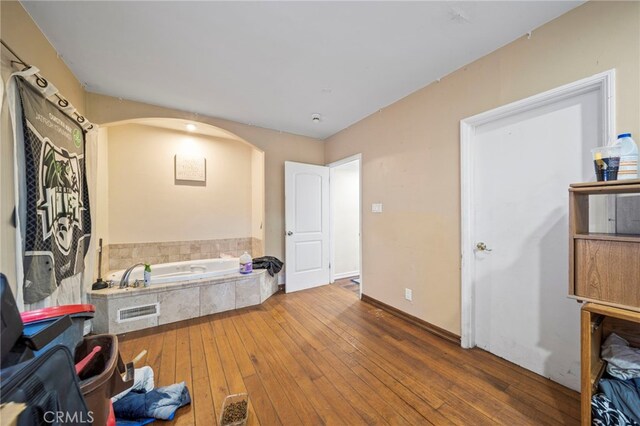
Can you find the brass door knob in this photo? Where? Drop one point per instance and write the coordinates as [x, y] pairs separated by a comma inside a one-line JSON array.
[[482, 247]]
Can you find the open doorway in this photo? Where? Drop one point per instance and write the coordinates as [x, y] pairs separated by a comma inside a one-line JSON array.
[[346, 246]]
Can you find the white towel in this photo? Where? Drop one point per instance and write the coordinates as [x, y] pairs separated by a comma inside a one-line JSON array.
[[623, 360], [142, 379]]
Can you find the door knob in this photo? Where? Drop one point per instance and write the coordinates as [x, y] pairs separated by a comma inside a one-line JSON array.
[[289, 233], [482, 247]]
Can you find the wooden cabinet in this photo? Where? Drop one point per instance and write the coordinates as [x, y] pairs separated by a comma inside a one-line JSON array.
[[596, 323], [603, 268]]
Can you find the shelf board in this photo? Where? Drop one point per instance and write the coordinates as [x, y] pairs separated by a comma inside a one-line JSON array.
[[611, 311], [610, 187], [611, 183], [629, 238]]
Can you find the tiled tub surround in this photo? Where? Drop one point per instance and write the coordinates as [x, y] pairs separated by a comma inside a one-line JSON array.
[[181, 300], [121, 256]]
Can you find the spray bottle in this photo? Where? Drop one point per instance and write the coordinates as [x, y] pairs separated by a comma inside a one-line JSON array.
[[147, 275]]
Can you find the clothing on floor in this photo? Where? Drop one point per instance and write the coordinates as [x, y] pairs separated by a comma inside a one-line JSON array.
[[137, 422], [142, 380], [604, 413], [270, 263], [623, 361], [160, 403], [624, 394]]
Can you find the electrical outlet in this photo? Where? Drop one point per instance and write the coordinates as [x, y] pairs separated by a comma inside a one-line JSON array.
[[376, 208], [408, 294]]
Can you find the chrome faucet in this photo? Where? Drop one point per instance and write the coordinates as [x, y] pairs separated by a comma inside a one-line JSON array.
[[124, 281]]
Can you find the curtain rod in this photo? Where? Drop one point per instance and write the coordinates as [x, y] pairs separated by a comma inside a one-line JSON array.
[[43, 83]]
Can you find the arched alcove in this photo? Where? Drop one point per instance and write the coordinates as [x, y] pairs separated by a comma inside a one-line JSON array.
[[149, 211]]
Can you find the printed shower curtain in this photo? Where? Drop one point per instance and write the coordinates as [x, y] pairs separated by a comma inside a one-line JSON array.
[[53, 220]]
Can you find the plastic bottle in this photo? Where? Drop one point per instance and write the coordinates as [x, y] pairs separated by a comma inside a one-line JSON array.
[[246, 263], [147, 275], [628, 157]]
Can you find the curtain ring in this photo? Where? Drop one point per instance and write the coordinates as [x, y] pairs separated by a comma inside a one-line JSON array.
[[90, 127], [80, 119], [63, 102], [41, 82]]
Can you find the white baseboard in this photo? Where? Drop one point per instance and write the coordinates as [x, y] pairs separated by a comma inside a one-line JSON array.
[[346, 275]]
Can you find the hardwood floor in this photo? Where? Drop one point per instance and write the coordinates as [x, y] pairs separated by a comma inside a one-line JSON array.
[[348, 284], [322, 356]]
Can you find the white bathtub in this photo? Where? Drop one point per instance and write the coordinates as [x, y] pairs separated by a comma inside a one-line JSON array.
[[181, 271], [179, 291]]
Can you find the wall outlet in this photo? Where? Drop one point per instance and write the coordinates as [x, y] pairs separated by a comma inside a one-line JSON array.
[[376, 208], [408, 294]]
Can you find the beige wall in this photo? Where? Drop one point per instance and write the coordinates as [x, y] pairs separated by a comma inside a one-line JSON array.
[[411, 149], [257, 195], [146, 204], [21, 34], [101, 212], [278, 147]]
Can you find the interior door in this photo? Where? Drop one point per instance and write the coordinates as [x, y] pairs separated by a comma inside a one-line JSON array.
[[307, 251], [523, 165]]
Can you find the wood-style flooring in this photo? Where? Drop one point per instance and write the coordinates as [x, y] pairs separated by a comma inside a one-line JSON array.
[[322, 356], [348, 284]]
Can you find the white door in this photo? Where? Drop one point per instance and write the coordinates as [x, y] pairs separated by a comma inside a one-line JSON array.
[[522, 167], [306, 193]]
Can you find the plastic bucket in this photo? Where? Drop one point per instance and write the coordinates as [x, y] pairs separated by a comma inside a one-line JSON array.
[[102, 377]]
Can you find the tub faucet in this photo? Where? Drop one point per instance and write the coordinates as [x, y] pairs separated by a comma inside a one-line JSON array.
[[124, 281]]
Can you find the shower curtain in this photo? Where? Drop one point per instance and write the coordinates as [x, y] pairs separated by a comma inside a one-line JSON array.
[[54, 174]]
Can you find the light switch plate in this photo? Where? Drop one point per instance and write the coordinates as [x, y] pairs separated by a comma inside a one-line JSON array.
[[376, 208]]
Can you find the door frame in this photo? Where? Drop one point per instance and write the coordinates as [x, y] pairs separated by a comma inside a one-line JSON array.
[[603, 82], [358, 158]]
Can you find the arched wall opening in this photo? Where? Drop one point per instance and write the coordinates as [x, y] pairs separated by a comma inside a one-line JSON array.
[[148, 210]]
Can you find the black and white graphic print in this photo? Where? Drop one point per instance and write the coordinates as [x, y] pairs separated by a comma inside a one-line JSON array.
[[604, 413], [57, 223], [60, 200]]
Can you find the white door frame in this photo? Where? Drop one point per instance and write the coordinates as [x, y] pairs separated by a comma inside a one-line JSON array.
[[355, 157], [603, 82]]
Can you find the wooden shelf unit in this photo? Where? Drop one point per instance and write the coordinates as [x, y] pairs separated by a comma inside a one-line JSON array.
[[596, 323], [603, 268]]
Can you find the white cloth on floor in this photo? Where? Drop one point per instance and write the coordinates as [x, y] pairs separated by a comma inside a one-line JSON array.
[[142, 380], [623, 361]]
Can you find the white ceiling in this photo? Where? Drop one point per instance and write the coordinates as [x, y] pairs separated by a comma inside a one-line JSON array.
[[274, 64]]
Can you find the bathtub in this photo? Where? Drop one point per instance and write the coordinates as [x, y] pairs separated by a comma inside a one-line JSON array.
[[179, 291], [182, 271]]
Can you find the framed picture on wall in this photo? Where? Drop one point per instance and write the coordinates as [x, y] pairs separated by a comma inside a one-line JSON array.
[[191, 168]]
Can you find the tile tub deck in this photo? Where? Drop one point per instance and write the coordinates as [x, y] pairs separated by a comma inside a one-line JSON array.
[[181, 300]]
